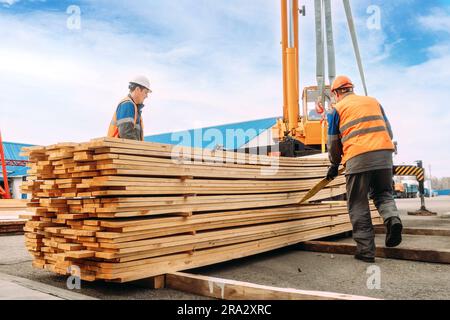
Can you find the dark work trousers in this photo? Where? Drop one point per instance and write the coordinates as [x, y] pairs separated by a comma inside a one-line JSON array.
[[378, 186]]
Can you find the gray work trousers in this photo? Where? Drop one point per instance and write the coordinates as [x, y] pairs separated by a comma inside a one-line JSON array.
[[378, 186]]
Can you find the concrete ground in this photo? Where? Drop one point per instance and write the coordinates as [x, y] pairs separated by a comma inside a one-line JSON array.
[[342, 273], [288, 268], [13, 291], [16, 261]]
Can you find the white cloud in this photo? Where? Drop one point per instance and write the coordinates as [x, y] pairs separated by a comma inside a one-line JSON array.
[[72, 70], [210, 63], [9, 2], [438, 20]]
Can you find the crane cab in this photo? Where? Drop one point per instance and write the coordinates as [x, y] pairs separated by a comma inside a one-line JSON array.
[[311, 119], [310, 132]]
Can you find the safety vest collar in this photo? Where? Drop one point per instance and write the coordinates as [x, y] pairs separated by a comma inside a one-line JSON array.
[[349, 94], [139, 106]]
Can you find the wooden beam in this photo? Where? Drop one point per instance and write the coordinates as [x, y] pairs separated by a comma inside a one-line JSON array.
[[156, 283], [417, 231], [237, 290], [413, 254]]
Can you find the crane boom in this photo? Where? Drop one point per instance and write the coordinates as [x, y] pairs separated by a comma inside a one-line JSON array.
[[295, 133], [302, 133], [289, 27]]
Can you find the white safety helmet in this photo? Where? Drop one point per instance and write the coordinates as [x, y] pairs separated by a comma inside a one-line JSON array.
[[142, 81]]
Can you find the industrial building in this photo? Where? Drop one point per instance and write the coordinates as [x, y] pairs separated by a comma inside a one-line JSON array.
[[16, 169]]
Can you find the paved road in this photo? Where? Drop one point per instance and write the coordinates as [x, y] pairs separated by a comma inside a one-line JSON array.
[[440, 205], [13, 291]]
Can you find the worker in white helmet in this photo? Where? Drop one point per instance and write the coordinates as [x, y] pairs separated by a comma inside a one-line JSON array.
[[127, 121]]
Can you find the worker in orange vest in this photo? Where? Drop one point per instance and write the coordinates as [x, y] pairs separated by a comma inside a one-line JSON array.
[[360, 138], [127, 121]]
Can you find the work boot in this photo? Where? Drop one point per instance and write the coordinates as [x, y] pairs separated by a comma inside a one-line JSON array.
[[394, 229], [364, 258]]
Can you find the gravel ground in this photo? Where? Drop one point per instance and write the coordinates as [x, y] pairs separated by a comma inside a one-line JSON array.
[[288, 267]]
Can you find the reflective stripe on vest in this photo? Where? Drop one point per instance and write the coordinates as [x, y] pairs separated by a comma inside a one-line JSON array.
[[113, 131], [362, 126]]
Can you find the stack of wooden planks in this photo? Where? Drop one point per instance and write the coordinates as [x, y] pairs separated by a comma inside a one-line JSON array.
[[12, 205], [124, 210], [10, 210], [11, 226]]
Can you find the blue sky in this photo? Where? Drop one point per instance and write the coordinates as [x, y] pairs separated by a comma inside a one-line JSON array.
[[212, 62], [413, 37]]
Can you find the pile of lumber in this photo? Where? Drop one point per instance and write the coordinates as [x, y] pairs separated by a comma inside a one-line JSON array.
[[11, 226], [12, 205], [124, 210], [10, 210]]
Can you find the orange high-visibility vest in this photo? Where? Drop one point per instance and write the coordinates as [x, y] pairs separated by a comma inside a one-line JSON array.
[[113, 131], [362, 126]]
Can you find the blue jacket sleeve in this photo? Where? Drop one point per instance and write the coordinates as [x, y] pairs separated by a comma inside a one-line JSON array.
[[125, 113], [335, 149], [125, 122]]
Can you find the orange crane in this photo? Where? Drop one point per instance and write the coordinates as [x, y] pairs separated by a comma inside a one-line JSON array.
[[301, 133], [4, 193]]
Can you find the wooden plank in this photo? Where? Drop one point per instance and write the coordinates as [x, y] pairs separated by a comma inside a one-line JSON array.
[[82, 254], [237, 290], [203, 186], [318, 187], [222, 237], [418, 231], [211, 256], [413, 254], [288, 212], [227, 221], [222, 203], [155, 283], [185, 152], [115, 152]]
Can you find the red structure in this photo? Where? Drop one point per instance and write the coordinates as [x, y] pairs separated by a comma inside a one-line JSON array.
[[4, 193]]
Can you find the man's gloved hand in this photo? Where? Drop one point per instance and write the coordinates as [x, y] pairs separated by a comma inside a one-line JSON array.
[[333, 172]]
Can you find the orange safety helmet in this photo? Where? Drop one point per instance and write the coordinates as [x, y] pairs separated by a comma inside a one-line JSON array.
[[341, 82]]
